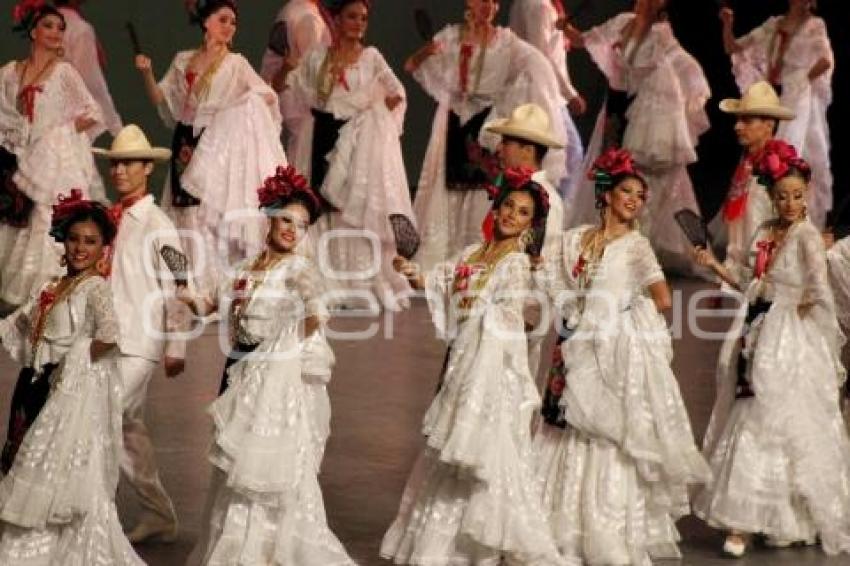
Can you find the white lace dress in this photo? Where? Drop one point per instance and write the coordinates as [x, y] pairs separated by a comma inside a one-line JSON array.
[[810, 99], [615, 480], [57, 503], [238, 121], [512, 73], [472, 496], [53, 158], [365, 181], [781, 458], [664, 122], [271, 424]]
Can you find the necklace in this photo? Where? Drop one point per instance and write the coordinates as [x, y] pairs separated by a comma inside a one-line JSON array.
[[332, 71], [28, 91], [472, 275]]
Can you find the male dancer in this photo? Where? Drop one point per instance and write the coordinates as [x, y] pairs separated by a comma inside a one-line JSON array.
[[748, 205], [147, 257]]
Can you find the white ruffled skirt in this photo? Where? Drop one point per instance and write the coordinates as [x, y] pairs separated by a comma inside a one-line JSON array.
[[472, 497], [615, 481], [781, 459], [265, 505], [57, 503]]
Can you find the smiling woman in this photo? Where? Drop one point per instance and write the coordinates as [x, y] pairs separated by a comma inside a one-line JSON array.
[[45, 111], [226, 139]]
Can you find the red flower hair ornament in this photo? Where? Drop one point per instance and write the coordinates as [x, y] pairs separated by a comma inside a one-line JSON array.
[[514, 179], [612, 163], [24, 13], [287, 186], [71, 205], [776, 160]]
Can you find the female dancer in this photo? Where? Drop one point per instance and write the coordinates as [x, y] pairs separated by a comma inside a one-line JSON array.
[[794, 54], [273, 416], [57, 502], [477, 72], [639, 54], [351, 152], [776, 440], [45, 112], [226, 139], [472, 496], [615, 481]]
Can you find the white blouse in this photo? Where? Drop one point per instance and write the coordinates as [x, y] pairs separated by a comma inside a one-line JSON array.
[[87, 312]]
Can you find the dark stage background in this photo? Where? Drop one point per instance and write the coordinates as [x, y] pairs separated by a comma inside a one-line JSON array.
[[164, 30]]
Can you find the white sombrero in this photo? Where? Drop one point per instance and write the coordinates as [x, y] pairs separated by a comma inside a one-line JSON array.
[[759, 100], [527, 122], [131, 143]]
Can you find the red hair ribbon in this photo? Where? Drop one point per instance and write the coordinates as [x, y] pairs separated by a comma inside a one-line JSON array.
[[466, 50], [27, 100], [763, 256]]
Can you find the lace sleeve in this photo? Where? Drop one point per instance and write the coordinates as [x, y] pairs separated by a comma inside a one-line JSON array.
[[813, 265], [310, 288], [101, 311], [750, 64], [435, 74], [385, 75], [645, 265], [600, 43], [173, 91], [78, 99]]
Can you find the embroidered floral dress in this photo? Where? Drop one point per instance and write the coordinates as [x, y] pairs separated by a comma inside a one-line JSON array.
[[57, 504]]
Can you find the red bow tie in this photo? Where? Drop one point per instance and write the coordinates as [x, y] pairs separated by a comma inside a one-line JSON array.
[[116, 211]]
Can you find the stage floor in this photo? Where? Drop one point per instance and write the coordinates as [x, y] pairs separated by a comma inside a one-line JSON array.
[[380, 390]]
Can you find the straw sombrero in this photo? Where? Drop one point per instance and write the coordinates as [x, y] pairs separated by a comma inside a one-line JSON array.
[[759, 100], [527, 122], [131, 143]]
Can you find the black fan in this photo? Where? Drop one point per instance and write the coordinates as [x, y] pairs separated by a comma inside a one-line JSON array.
[[424, 24], [694, 227], [177, 263], [134, 38], [406, 237]]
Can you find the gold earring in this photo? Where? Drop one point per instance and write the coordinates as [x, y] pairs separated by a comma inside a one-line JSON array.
[[63, 261]]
